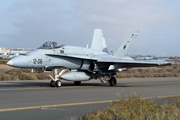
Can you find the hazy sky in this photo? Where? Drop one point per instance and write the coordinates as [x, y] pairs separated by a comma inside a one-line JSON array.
[[29, 23]]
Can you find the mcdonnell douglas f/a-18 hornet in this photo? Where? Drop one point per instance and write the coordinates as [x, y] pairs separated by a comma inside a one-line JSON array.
[[84, 63]]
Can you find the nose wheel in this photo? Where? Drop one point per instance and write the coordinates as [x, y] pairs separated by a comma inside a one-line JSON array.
[[55, 83], [58, 83]]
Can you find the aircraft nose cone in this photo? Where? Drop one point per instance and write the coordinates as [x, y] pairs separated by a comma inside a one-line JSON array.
[[19, 61], [10, 63]]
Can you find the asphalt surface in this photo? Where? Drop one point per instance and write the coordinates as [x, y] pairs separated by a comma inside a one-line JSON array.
[[35, 99]]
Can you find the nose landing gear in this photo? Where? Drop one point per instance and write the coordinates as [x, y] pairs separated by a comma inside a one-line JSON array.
[[55, 82]]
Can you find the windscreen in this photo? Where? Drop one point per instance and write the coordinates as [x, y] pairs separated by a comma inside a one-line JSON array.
[[50, 45]]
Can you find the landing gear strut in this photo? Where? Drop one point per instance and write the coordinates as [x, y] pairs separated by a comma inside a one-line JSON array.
[[112, 81], [55, 82]]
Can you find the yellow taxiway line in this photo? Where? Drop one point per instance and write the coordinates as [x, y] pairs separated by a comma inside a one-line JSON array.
[[72, 104]]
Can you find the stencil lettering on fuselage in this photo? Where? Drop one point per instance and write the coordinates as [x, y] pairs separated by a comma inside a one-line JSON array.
[[37, 61]]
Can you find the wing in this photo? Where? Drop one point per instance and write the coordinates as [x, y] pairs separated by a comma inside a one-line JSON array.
[[86, 57], [105, 62], [132, 63]]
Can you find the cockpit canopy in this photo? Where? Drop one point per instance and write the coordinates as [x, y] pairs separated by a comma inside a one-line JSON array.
[[50, 45]]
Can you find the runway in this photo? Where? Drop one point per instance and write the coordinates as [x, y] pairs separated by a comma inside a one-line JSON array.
[[37, 98]]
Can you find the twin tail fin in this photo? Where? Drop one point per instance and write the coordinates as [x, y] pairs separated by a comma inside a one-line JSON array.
[[123, 50]]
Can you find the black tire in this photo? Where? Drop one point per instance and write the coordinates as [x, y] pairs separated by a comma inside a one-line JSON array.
[[53, 83], [58, 83], [112, 81], [77, 82]]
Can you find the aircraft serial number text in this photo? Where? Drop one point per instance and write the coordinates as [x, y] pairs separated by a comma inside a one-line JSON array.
[[37, 61]]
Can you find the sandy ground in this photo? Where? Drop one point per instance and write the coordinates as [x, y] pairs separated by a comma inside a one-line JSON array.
[[4, 68]]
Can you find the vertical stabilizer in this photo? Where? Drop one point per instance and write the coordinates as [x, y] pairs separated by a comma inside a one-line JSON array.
[[123, 50], [98, 41]]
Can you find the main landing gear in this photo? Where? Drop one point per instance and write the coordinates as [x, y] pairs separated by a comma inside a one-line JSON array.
[[112, 81]]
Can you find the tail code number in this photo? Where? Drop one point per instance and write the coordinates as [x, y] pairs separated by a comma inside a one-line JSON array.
[[37, 61]]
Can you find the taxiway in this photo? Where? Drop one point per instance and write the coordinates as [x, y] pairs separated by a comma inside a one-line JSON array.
[[35, 98]]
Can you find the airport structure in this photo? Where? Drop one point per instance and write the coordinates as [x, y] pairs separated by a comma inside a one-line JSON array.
[[15, 50]]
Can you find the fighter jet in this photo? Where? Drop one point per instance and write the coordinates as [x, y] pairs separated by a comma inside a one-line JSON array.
[[84, 63], [13, 55], [5, 55]]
